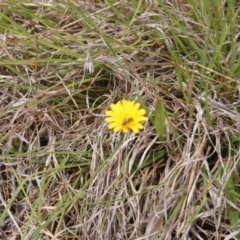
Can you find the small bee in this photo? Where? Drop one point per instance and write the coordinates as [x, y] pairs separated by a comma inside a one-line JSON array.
[[126, 121]]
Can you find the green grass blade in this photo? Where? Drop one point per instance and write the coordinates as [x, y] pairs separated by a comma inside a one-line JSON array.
[[233, 195], [160, 121]]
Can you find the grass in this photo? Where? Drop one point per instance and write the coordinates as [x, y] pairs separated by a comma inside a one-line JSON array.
[[64, 175]]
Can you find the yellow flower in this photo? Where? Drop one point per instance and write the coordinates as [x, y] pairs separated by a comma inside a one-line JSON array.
[[125, 115]]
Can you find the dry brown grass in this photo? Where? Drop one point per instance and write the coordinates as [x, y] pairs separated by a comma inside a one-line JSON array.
[[63, 175]]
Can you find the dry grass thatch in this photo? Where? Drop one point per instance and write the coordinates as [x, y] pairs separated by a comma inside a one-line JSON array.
[[64, 175]]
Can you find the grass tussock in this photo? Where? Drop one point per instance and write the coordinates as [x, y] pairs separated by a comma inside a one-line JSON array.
[[64, 175]]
